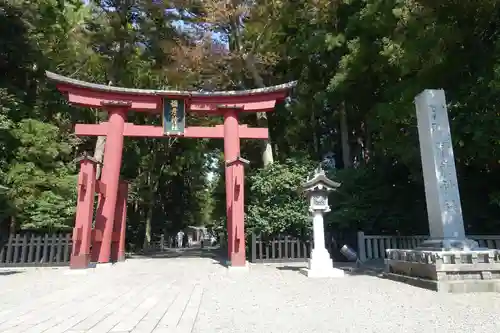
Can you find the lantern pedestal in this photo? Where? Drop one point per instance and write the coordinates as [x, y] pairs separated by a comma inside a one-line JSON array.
[[320, 264]]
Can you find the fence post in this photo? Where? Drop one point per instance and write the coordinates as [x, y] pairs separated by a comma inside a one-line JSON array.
[[8, 259], [254, 247], [67, 247], [361, 246]]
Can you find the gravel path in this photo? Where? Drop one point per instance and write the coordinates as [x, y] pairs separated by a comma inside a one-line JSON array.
[[198, 295]]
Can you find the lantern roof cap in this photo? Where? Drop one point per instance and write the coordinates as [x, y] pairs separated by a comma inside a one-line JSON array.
[[319, 181]]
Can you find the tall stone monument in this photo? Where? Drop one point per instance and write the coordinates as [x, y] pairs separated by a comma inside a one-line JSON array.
[[447, 261], [444, 210]]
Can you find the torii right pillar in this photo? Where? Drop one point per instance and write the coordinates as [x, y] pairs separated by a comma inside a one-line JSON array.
[[234, 176]]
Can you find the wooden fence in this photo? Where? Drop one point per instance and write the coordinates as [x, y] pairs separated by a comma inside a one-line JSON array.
[[279, 249], [159, 244], [36, 250], [54, 250], [373, 246], [289, 249]]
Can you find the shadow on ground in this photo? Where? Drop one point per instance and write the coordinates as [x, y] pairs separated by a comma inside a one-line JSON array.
[[2, 273], [290, 268], [369, 268], [215, 253], [372, 268]]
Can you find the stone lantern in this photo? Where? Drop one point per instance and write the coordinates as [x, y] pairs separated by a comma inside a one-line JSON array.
[[317, 189]]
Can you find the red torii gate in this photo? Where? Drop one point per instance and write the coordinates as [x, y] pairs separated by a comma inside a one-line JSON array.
[[106, 242]]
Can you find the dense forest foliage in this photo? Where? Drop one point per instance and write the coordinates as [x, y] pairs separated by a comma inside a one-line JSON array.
[[359, 65]]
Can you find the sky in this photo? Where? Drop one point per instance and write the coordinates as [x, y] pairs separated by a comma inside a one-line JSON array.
[[180, 24]]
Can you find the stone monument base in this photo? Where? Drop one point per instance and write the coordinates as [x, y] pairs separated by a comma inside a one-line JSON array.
[[449, 244], [446, 271]]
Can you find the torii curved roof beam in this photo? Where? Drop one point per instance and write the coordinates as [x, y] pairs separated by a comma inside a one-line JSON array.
[[95, 95]]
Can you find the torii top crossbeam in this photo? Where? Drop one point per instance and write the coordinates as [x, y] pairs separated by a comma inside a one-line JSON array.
[[95, 95], [172, 105]]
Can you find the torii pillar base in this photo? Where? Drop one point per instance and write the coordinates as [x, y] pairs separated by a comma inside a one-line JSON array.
[[119, 228], [237, 269], [82, 232]]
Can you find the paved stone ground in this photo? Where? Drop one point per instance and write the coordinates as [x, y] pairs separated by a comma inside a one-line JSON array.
[[198, 295]]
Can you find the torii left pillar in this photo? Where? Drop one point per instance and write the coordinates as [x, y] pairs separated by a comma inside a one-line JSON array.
[[82, 232]]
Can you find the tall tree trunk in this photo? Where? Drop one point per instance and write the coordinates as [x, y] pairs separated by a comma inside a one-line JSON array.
[[267, 150], [315, 135], [249, 63], [101, 142], [13, 226], [368, 143], [114, 73], [152, 187], [344, 137], [99, 154], [147, 230], [149, 215], [4, 232]]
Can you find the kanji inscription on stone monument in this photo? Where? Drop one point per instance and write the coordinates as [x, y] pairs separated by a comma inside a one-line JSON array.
[[438, 165]]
